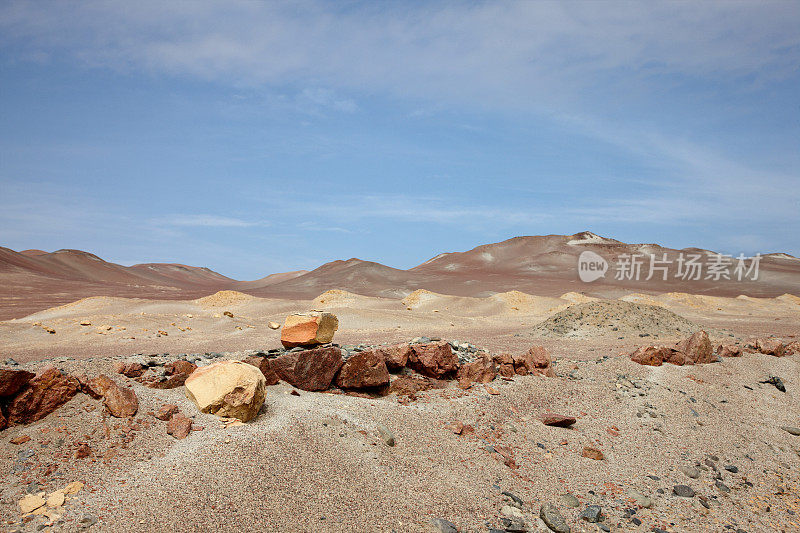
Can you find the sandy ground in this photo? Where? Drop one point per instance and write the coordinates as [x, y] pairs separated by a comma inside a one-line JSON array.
[[315, 462]]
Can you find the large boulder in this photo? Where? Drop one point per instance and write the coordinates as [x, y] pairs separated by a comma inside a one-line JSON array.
[[396, 356], [482, 370], [363, 370], [308, 329], [227, 388], [535, 361], [697, 349], [651, 355], [11, 381], [311, 370], [729, 350], [770, 346], [263, 363], [435, 359], [41, 396], [121, 402]]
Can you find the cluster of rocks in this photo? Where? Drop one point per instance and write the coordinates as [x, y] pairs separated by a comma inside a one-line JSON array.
[[698, 349]]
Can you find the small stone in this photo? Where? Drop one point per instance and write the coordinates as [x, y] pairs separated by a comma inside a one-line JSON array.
[[732, 469], [274, 325], [87, 521], [592, 514], [514, 498], [791, 430], [444, 526], [179, 426], [83, 451], [722, 486], [553, 419], [570, 501], [690, 471], [386, 434], [684, 491], [641, 500], [166, 411], [55, 499], [20, 439], [30, 503], [551, 516], [592, 453]]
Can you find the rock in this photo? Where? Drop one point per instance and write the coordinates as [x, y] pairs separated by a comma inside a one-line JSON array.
[[20, 439], [792, 348], [505, 364], [791, 430], [410, 385], [3, 421], [265, 365], [514, 498], [651, 355], [310, 370], [690, 471], [181, 366], [386, 434], [31, 502], [273, 325], [308, 329], [179, 426], [87, 521], [11, 381], [592, 453], [120, 402], [444, 526], [732, 469], [41, 396], [684, 491], [641, 500], [481, 370], [227, 388], [535, 361], [228, 314], [172, 382], [776, 382], [697, 349], [729, 350], [55, 499], [129, 370], [434, 359], [570, 501], [553, 519], [770, 346], [83, 451], [592, 514], [363, 370], [166, 411], [396, 356], [553, 419]]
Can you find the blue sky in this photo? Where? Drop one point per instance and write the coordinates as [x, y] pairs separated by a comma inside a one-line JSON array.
[[255, 137]]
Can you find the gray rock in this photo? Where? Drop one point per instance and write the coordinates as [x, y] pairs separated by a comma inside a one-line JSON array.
[[791, 430], [570, 501], [690, 471], [514, 498], [641, 500], [87, 521], [592, 514], [732, 469], [551, 516], [722, 486], [444, 526], [386, 434], [684, 491]]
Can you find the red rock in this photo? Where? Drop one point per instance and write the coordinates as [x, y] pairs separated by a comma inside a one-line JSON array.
[[396, 357], [697, 349], [434, 359], [11, 381], [181, 366], [410, 385], [675, 357], [263, 364], [41, 396], [166, 411], [592, 453], [729, 350], [179, 426], [649, 355], [553, 419], [770, 346], [20, 439], [362, 370], [481, 370], [83, 451], [535, 361], [3, 421], [311, 370], [792, 348], [172, 382], [129, 370], [121, 402]]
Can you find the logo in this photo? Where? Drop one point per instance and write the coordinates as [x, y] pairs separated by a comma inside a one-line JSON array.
[[591, 266]]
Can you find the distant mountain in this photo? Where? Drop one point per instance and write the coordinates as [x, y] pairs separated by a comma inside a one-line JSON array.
[[545, 265]]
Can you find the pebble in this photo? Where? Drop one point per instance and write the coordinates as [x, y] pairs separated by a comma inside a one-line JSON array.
[[641, 500], [516, 499], [683, 491], [386, 435], [570, 501], [690, 471], [444, 526], [722, 486], [551, 516], [791, 430], [87, 521], [592, 514], [732, 469]]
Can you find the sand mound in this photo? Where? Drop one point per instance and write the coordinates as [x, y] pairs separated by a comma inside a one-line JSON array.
[[336, 297], [577, 298], [516, 301], [639, 298], [224, 298], [420, 296], [789, 298], [614, 317]]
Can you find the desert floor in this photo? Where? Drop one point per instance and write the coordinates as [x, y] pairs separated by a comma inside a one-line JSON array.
[[315, 462]]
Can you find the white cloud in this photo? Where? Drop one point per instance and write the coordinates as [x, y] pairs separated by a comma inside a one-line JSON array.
[[215, 221]]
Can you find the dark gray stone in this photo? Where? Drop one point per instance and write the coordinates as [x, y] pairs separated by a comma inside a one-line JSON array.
[[592, 514], [551, 516], [684, 491]]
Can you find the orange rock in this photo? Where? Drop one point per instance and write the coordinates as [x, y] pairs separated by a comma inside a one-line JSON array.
[[21, 439], [697, 349], [308, 329], [311, 370], [592, 453]]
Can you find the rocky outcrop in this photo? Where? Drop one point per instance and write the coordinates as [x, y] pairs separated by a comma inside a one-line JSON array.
[[434, 359], [396, 356], [11, 381], [41, 396], [482, 370], [228, 388], [308, 329], [265, 365], [365, 369], [311, 370]]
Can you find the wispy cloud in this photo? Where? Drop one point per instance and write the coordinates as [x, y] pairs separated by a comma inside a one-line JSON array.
[[208, 221]]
